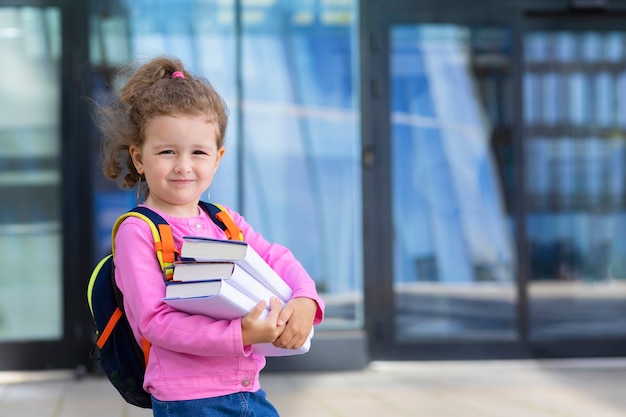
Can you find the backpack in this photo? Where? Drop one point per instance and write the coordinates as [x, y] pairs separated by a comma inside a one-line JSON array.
[[121, 358]]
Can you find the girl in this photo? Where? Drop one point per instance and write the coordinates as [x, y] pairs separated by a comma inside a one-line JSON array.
[[166, 134]]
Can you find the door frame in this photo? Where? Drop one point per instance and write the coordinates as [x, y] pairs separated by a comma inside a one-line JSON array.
[[377, 18], [72, 349]]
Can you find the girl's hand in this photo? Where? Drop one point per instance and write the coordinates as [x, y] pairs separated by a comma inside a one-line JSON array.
[[298, 314], [256, 330]]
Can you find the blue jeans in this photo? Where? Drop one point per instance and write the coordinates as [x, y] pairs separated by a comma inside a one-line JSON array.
[[241, 404]]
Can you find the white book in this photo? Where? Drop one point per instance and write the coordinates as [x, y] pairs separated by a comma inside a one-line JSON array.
[[196, 278], [203, 249], [231, 304], [223, 303]]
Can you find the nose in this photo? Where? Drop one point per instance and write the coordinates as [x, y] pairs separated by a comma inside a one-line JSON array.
[[183, 165]]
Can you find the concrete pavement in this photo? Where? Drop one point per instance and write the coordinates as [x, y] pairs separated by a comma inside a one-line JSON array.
[[528, 388]]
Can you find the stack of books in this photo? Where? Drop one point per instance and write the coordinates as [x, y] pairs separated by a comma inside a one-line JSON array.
[[225, 279]]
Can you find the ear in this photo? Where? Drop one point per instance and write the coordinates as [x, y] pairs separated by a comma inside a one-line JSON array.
[[137, 158], [220, 153]]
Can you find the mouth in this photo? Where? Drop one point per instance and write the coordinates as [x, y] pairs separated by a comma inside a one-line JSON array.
[[182, 182]]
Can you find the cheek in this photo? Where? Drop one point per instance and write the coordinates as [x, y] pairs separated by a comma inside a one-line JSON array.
[[156, 169], [209, 170]]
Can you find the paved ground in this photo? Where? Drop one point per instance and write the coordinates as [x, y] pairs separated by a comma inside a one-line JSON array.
[[557, 388]]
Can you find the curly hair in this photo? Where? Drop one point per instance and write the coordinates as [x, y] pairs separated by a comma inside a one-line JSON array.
[[151, 92]]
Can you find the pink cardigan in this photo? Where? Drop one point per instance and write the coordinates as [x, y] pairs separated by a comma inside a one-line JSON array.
[[193, 356]]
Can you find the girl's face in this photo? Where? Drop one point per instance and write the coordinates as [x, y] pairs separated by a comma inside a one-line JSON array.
[[178, 159]]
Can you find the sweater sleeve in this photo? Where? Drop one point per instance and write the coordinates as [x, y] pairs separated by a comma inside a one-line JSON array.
[[284, 263], [139, 277]]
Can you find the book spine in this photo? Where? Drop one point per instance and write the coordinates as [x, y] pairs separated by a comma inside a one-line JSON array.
[[259, 269], [253, 288]]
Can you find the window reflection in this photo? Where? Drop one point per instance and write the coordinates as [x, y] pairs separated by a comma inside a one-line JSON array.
[[454, 265], [575, 145], [30, 179]]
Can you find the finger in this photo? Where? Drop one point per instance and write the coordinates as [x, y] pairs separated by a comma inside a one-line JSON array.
[[281, 341], [289, 341], [285, 314], [275, 310], [258, 309], [288, 337]]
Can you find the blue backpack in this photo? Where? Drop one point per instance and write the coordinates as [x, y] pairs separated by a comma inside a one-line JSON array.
[[121, 358]]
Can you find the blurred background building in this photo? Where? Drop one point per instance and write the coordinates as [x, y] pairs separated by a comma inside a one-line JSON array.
[[452, 173]]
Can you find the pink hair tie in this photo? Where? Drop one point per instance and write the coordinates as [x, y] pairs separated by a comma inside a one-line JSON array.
[[177, 74]]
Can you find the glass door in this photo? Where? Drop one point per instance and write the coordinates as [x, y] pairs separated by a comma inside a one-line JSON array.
[[574, 90], [30, 176], [454, 260], [503, 146], [44, 234]]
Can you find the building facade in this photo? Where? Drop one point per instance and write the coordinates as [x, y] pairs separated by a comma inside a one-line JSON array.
[[451, 173]]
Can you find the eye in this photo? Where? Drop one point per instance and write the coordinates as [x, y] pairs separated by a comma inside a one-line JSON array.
[[166, 152], [200, 152]]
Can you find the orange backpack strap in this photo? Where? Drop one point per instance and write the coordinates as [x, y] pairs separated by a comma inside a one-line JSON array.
[[106, 332], [223, 219], [145, 348], [161, 233]]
